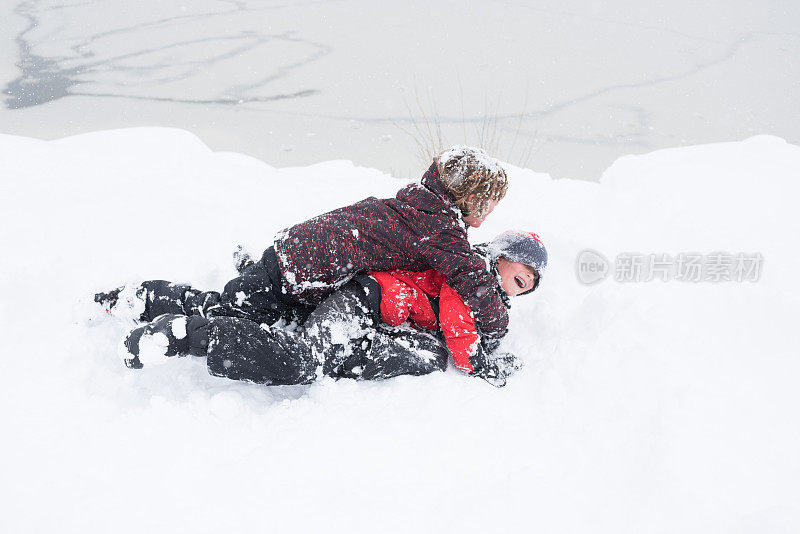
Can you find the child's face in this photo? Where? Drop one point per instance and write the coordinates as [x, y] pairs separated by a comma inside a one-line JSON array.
[[476, 220], [515, 277]]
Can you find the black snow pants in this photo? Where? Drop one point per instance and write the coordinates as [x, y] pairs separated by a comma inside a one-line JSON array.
[[257, 294], [341, 338]]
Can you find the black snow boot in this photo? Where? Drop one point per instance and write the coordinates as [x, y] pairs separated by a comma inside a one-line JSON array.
[[146, 301], [242, 259], [125, 302], [108, 300], [168, 335]]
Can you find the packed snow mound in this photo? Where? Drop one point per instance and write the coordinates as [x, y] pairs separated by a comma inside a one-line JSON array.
[[643, 407]]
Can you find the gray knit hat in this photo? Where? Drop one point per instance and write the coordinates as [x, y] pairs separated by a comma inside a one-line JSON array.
[[521, 247]]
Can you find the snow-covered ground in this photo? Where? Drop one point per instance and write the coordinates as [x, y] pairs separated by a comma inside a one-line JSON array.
[[656, 407]]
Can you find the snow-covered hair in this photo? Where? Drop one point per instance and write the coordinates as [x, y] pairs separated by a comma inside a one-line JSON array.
[[466, 171]]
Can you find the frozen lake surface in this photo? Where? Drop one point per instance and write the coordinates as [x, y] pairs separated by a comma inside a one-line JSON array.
[[560, 87]]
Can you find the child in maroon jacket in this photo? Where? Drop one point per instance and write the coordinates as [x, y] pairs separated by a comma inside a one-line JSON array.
[[381, 325], [423, 227]]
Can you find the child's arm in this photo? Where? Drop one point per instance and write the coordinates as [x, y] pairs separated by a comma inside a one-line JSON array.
[[464, 343], [465, 272], [458, 327]]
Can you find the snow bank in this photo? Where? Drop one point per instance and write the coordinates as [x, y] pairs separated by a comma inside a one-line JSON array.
[[644, 407]]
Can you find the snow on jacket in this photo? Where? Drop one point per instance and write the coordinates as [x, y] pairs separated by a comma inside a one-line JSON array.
[[405, 296], [420, 229]]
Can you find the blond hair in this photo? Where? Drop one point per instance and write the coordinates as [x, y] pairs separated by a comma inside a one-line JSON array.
[[473, 178]]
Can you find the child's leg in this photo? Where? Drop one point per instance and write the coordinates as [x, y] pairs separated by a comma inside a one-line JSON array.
[[395, 351], [236, 348], [242, 350], [338, 329], [344, 335], [258, 295], [148, 300]]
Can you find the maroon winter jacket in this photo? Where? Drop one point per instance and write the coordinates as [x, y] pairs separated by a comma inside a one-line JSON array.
[[420, 229]]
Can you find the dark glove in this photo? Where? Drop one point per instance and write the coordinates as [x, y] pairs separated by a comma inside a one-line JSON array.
[[489, 344], [494, 368]]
